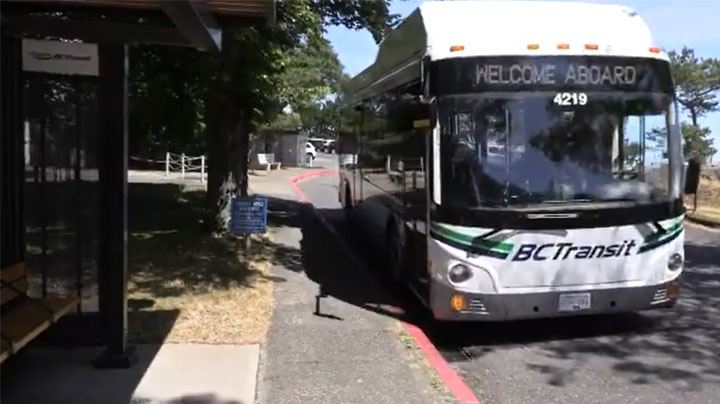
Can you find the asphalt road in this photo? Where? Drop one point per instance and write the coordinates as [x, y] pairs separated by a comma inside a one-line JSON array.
[[655, 357]]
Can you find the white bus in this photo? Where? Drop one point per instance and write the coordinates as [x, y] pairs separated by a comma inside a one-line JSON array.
[[504, 158]]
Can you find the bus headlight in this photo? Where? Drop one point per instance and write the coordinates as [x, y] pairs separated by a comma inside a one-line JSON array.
[[675, 262], [459, 273]]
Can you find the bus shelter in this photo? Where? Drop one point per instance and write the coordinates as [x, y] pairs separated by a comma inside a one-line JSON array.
[[64, 135]]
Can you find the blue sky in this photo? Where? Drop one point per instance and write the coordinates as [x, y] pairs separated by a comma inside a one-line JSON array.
[[674, 23]]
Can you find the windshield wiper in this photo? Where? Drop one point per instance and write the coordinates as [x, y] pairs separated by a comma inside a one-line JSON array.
[[619, 200], [562, 201]]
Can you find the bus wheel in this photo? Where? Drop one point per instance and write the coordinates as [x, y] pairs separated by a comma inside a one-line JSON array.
[[396, 251]]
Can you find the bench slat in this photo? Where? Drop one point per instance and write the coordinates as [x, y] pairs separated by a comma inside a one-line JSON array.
[[26, 321], [13, 272], [4, 350], [7, 294]]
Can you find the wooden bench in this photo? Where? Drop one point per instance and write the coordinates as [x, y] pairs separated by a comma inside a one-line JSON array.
[[23, 318], [267, 160]]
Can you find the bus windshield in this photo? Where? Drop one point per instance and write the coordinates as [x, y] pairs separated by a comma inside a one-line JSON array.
[[553, 147]]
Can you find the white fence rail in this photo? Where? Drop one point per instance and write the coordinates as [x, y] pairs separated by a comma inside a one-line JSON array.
[[179, 163], [185, 164]]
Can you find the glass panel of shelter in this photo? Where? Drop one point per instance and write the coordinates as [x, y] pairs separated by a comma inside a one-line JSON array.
[[61, 186]]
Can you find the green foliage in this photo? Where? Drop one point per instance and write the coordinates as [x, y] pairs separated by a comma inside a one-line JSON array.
[[262, 71], [633, 155], [311, 75], [167, 88], [697, 142], [697, 82], [358, 14]]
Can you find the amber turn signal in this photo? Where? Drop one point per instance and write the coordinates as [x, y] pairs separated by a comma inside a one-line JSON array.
[[457, 302]]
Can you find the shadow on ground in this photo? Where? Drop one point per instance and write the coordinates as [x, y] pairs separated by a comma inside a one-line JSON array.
[[170, 250], [170, 253], [59, 376], [678, 346], [648, 347]]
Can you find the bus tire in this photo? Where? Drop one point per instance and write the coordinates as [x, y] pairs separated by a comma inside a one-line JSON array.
[[397, 250]]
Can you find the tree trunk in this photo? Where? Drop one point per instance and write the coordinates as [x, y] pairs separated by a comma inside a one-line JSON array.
[[693, 116], [227, 145]]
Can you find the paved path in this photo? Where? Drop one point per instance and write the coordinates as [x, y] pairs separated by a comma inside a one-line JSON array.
[[652, 357], [348, 353], [163, 374]]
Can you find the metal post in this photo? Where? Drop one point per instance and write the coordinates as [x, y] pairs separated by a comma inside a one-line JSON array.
[[78, 194], [167, 164], [202, 168], [13, 158], [182, 163], [112, 277], [43, 202]]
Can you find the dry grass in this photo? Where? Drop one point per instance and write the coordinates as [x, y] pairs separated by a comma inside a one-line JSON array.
[[420, 362], [187, 285], [708, 197]]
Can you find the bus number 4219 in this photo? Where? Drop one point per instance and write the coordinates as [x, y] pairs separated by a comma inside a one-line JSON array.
[[570, 99]]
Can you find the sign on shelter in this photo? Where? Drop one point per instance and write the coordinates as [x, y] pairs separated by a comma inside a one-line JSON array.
[[60, 57]]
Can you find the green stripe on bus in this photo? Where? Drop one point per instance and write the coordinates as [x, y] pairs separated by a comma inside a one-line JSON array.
[[664, 233], [468, 239], [657, 243]]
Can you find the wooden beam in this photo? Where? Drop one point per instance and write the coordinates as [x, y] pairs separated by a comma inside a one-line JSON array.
[[195, 21], [96, 31]]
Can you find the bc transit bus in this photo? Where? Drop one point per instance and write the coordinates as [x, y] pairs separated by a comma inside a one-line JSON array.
[[519, 160]]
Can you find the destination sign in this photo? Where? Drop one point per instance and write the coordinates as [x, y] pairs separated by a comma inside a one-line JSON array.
[[545, 74], [462, 75]]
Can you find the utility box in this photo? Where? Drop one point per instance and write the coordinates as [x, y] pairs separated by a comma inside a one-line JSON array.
[[288, 146], [292, 149]]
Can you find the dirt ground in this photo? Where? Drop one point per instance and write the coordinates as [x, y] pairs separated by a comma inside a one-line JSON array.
[[708, 198], [710, 187], [187, 285]]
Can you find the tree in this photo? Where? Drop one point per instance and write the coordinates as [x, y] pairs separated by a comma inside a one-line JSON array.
[[697, 142], [697, 82], [247, 88], [313, 72], [311, 81], [167, 89], [633, 155]]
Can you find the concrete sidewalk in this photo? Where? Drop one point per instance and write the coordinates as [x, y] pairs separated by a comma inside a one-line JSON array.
[[170, 373], [347, 353], [275, 183]]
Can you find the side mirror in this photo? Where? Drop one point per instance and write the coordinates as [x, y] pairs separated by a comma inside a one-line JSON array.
[[692, 176]]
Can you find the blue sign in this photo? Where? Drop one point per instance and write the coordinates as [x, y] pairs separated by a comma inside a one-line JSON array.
[[248, 215]]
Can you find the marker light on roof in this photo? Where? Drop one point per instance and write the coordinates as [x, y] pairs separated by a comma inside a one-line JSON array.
[[655, 49], [563, 46], [457, 48], [591, 46], [533, 46]]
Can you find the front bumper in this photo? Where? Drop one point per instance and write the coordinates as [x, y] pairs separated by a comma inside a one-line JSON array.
[[501, 307]]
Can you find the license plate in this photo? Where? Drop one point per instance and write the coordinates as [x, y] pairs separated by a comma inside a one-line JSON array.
[[574, 301]]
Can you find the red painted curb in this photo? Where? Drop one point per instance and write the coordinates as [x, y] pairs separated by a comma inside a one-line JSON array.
[[449, 377], [305, 176]]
